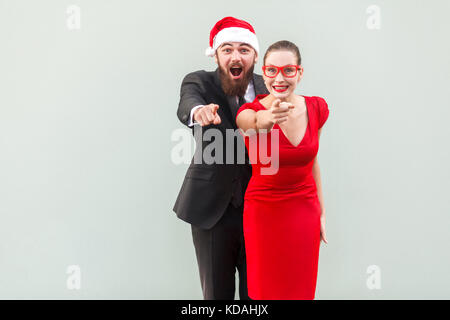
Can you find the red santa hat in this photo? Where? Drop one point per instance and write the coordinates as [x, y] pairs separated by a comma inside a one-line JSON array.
[[230, 29]]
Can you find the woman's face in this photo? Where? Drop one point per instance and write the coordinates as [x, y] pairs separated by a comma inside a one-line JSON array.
[[282, 87]]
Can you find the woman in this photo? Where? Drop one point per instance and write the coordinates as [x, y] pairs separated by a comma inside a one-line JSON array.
[[284, 216]]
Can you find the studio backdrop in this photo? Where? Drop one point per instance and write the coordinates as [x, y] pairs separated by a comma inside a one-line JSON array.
[[88, 128]]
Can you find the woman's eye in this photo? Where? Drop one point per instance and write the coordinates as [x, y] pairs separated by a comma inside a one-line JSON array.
[[289, 70]]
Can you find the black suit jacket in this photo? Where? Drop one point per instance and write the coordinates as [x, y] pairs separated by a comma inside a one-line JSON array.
[[207, 188]]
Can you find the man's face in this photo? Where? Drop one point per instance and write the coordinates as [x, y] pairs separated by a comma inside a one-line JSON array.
[[236, 62]]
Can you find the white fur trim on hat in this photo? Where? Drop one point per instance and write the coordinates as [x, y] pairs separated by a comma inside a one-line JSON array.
[[233, 34], [210, 52]]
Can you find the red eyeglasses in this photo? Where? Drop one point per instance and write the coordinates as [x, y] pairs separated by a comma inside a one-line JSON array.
[[289, 71]]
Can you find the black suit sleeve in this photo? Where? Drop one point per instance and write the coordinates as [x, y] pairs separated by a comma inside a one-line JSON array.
[[192, 94]]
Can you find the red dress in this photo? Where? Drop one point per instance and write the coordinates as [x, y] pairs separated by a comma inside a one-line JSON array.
[[282, 211]]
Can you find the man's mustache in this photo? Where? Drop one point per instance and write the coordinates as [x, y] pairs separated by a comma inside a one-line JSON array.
[[237, 65]]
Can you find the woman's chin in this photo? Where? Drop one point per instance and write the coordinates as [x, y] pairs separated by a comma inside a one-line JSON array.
[[280, 95]]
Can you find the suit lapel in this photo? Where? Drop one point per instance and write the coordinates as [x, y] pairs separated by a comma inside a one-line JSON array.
[[258, 83], [234, 106]]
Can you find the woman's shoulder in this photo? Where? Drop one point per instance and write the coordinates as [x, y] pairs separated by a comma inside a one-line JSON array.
[[259, 101], [321, 107], [259, 98], [316, 99], [255, 104], [317, 102]]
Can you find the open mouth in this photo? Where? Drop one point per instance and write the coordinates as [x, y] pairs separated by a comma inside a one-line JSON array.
[[280, 88], [236, 72]]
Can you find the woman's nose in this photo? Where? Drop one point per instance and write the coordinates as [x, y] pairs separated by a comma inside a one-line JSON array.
[[279, 77]]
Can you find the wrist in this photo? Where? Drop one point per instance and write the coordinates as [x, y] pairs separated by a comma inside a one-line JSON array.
[[194, 115], [263, 121], [195, 111]]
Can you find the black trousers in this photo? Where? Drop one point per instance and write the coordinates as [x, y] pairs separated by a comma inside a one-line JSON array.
[[220, 251]]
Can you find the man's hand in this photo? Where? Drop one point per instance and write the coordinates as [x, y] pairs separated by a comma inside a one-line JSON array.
[[207, 115]]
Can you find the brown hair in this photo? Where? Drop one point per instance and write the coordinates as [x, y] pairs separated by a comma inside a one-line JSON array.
[[284, 45]]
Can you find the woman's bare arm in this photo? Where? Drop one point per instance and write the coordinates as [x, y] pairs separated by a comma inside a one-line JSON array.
[[317, 178], [263, 119], [250, 119]]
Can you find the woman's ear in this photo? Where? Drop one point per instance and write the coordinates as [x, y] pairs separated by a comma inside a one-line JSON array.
[[300, 71]]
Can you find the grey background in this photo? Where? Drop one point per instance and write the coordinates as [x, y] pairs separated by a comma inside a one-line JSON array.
[[86, 118]]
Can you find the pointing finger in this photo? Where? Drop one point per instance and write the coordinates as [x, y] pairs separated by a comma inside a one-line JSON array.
[[210, 116], [276, 103], [217, 119]]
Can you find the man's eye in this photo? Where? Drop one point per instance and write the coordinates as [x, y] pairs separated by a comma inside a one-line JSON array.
[[245, 50]]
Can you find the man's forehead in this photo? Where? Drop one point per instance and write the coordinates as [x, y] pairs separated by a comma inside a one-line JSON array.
[[236, 44]]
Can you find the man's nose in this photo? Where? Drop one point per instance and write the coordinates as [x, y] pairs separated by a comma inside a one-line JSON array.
[[235, 56]]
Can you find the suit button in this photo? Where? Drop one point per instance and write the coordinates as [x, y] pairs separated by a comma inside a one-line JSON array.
[[185, 117]]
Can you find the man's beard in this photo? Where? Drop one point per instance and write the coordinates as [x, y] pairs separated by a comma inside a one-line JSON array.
[[236, 87]]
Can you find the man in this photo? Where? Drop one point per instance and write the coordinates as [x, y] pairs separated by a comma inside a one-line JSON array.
[[211, 196]]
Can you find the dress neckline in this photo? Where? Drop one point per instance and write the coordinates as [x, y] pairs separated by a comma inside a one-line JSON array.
[[260, 96]]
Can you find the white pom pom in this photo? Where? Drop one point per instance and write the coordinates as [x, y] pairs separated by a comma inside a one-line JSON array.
[[210, 52]]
